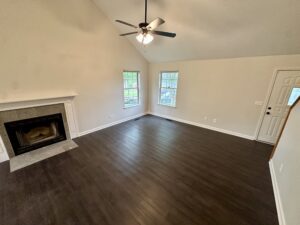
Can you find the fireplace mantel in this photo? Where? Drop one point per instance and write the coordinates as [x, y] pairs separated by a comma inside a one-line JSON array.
[[25, 101], [28, 101]]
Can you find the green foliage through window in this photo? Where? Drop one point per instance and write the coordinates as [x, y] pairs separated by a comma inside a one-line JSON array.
[[131, 88], [168, 88]]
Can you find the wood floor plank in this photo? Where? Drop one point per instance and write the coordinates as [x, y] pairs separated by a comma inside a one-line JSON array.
[[149, 171]]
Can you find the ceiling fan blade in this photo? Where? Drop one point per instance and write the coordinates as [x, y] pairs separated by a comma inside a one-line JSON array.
[[125, 23], [165, 34], [135, 32], [155, 23]]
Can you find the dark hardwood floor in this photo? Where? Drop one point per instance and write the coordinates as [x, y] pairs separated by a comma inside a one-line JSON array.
[[148, 172]]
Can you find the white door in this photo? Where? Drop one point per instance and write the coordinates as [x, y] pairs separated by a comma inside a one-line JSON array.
[[285, 91]]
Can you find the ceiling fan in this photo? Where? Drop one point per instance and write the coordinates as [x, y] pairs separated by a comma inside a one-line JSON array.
[[146, 30]]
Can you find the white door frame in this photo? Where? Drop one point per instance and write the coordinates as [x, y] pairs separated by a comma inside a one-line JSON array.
[[268, 96]]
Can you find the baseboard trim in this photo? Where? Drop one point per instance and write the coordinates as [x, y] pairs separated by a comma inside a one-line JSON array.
[[279, 207], [110, 124], [204, 126]]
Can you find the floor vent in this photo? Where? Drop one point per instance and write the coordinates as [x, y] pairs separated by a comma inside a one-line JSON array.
[[169, 120]]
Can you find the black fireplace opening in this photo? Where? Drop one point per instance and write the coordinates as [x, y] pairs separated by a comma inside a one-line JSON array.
[[30, 134]]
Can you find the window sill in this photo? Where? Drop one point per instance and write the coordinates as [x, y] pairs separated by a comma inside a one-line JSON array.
[[170, 106], [132, 106]]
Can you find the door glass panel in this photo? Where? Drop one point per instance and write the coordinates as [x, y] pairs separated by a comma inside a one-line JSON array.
[[294, 96]]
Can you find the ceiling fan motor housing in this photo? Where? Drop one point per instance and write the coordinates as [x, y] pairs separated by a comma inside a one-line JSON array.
[[143, 25]]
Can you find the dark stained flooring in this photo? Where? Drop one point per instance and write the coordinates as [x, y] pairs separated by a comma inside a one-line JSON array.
[[148, 172]]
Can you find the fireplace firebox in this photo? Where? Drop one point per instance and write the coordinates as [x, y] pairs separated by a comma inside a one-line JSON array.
[[30, 134]]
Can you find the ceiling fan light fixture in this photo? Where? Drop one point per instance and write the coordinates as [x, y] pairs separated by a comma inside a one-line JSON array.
[[146, 30], [145, 38]]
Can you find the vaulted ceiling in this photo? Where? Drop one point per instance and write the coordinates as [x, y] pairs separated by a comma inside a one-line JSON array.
[[211, 29]]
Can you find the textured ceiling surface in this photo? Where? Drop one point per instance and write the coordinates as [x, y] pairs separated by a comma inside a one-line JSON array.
[[212, 29]]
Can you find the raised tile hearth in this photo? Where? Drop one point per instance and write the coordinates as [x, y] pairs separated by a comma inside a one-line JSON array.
[[29, 158]]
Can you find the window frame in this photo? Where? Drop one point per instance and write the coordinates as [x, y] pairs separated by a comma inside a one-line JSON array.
[[160, 87], [291, 92], [137, 88]]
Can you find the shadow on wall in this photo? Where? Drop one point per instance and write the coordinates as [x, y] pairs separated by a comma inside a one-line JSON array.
[[80, 14]]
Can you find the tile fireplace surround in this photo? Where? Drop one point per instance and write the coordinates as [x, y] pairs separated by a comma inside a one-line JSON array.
[[14, 110]]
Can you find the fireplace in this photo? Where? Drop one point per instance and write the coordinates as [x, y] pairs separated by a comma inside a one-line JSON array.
[[30, 134]]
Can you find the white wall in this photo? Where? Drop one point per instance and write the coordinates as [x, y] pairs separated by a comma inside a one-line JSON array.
[[287, 180], [224, 89], [67, 46]]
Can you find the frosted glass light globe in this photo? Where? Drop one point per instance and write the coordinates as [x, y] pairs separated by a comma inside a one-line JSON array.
[[144, 38]]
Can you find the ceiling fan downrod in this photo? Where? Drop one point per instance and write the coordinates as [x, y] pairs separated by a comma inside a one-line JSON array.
[[146, 9]]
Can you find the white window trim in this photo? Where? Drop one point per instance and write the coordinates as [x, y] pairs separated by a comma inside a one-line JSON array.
[[159, 88], [138, 89], [291, 94]]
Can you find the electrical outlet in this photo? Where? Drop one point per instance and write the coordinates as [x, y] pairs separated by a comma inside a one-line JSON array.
[[260, 103], [205, 118], [281, 167], [214, 120]]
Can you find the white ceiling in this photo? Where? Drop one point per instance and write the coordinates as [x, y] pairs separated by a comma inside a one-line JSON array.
[[210, 29]]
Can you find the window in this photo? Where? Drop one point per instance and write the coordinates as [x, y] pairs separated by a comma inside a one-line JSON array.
[[131, 88], [168, 88], [294, 96]]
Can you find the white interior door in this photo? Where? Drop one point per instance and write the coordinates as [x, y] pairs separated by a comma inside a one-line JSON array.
[[285, 91]]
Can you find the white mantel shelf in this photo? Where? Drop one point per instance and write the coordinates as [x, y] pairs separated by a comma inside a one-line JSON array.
[[39, 98]]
